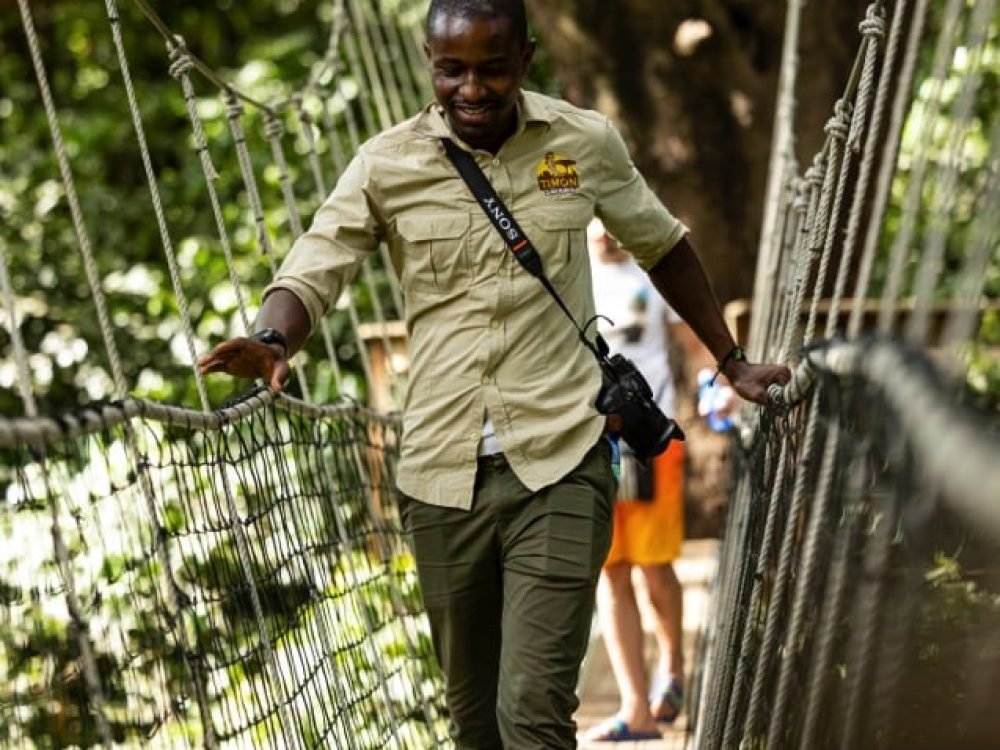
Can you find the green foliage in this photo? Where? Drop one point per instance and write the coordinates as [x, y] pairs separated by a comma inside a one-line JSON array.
[[59, 324], [155, 589], [163, 595], [948, 156]]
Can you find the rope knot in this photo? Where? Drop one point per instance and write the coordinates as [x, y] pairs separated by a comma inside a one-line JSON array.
[[874, 23], [839, 123], [234, 107], [814, 175], [299, 103], [180, 59], [273, 127]]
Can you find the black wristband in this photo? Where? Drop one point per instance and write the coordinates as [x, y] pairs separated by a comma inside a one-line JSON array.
[[736, 354], [271, 336]]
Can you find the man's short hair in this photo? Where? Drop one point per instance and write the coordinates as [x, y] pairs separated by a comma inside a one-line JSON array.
[[513, 10]]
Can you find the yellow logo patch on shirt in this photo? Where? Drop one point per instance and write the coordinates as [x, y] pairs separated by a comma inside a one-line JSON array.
[[557, 174]]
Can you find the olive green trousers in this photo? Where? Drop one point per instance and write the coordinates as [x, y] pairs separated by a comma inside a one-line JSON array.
[[509, 590]]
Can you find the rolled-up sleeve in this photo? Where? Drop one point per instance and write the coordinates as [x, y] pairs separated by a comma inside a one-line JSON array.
[[324, 259], [631, 212]]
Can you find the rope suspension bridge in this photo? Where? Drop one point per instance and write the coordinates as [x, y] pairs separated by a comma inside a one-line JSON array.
[[180, 574]]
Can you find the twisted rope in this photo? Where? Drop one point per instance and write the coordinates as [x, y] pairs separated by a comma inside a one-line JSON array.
[[946, 184], [79, 227], [868, 159], [829, 211], [274, 130], [779, 172], [154, 191], [900, 249], [180, 67]]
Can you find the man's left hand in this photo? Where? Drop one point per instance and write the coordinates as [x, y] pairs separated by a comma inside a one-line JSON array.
[[751, 381]]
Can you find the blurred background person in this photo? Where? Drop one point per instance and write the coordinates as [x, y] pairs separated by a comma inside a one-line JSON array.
[[649, 515]]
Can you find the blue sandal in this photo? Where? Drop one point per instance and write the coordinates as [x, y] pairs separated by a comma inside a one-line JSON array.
[[667, 700], [616, 730]]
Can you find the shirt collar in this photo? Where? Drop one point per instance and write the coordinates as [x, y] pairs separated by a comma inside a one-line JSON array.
[[532, 109]]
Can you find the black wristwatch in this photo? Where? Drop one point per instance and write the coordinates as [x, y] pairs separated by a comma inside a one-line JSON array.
[[271, 336]]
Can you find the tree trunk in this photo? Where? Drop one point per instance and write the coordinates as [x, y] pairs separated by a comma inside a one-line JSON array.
[[697, 114], [691, 84]]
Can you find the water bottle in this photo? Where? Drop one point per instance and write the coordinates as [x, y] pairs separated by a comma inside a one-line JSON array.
[[713, 400]]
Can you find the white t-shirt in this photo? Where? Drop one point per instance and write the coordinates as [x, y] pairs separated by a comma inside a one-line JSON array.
[[624, 293]]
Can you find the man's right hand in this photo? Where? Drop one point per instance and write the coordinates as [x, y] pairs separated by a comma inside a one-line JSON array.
[[246, 358]]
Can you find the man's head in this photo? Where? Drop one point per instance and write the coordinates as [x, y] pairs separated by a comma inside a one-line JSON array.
[[479, 52], [603, 247]]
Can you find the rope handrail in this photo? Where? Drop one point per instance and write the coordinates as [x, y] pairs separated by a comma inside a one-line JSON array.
[[40, 430], [912, 386]]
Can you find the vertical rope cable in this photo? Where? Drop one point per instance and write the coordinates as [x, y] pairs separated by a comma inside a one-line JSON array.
[[839, 162], [364, 85], [17, 341], [376, 88], [873, 31], [834, 601], [406, 72], [154, 191], [93, 279], [69, 185], [796, 636], [900, 249], [241, 542], [803, 257], [374, 48], [877, 215], [782, 572], [982, 242], [179, 68], [946, 184], [756, 611], [80, 624], [319, 183], [274, 130], [782, 154]]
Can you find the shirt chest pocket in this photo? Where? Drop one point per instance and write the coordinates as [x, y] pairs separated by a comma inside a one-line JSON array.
[[560, 236], [434, 249]]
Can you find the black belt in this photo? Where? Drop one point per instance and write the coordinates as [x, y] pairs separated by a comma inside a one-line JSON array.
[[492, 461]]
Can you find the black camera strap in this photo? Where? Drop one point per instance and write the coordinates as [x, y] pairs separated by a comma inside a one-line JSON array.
[[515, 238]]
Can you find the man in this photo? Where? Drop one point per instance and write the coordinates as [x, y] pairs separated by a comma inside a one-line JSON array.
[[649, 517], [504, 471]]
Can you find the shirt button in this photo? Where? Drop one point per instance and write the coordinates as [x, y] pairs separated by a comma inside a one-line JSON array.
[[494, 323], [486, 379], [475, 435], [496, 161]]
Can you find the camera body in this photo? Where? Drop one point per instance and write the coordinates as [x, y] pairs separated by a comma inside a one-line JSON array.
[[626, 393]]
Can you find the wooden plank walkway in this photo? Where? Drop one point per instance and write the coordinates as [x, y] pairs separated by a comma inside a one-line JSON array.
[[599, 693]]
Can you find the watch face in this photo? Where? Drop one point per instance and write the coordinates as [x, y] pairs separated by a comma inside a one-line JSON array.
[[270, 336]]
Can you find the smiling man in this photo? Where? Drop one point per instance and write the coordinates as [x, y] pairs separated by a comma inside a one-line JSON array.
[[505, 473]]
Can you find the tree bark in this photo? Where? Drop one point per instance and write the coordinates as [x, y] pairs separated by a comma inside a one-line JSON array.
[[697, 114]]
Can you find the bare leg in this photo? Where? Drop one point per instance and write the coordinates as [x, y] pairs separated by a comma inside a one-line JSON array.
[[667, 599], [621, 627]]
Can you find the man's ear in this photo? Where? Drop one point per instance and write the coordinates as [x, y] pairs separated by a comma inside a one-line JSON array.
[[427, 51], [528, 55]]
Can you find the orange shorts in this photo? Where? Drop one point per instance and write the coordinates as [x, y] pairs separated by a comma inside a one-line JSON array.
[[651, 532]]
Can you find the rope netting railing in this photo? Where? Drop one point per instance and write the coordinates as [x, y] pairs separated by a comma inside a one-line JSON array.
[[182, 575], [858, 599]]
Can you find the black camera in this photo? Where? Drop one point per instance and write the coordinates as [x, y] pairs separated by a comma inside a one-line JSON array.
[[626, 393]]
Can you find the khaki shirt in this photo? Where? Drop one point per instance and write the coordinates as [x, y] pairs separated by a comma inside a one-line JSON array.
[[485, 336]]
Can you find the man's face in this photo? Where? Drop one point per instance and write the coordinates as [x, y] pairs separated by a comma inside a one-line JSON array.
[[476, 69]]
